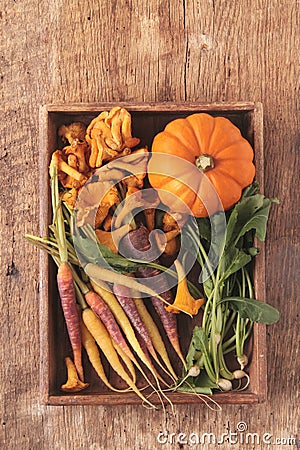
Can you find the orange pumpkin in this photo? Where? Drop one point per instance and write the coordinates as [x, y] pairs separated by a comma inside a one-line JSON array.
[[215, 146]]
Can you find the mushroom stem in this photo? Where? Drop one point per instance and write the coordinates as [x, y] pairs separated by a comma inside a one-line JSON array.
[[64, 167], [183, 300], [112, 238], [150, 218], [73, 384]]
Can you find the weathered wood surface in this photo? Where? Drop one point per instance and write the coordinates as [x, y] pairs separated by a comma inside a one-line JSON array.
[[213, 50]]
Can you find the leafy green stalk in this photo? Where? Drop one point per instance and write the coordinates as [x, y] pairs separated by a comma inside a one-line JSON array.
[[58, 226], [230, 309], [89, 249]]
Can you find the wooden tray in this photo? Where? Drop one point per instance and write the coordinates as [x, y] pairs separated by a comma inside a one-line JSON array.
[[148, 119]]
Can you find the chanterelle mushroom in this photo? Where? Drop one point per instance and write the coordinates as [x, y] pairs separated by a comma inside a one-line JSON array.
[[134, 183], [183, 300], [73, 384], [79, 149], [64, 167], [171, 229], [93, 207], [110, 199], [112, 238], [143, 199], [74, 132], [70, 197], [109, 136]]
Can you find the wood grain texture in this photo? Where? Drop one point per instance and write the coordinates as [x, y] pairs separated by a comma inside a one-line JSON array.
[[187, 50]]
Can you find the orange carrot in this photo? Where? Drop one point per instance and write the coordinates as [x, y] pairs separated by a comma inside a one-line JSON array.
[[65, 280], [68, 301]]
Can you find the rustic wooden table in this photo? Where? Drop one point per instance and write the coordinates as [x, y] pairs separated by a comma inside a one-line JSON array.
[[187, 50]]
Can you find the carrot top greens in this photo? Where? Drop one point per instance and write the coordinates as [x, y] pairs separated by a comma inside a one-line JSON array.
[[230, 308]]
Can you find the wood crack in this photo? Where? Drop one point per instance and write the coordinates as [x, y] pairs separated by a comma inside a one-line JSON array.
[[186, 52]]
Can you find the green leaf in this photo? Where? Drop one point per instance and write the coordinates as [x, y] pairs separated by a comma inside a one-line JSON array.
[[254, 310], [198, 356], [199, 339], [204, 380], [251, 190], [201, 384], [198, 345], [86, 249], [250, 213], [216, 224], [208, 287], [253, 251], [204, 228], [218, 238], [212, 232], [233, 260], [198, 351], [247, 240], [192, 356], [193, 388], [91, 251]]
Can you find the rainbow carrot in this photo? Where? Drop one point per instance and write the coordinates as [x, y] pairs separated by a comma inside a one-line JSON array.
[[68, 302], [125, 299], [65, 281], [101, 336], [134, 243], [93, 353]]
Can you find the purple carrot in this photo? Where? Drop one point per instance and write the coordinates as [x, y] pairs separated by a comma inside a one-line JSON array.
[[146, 353], [104, 313], [133, 245], [125, 299]]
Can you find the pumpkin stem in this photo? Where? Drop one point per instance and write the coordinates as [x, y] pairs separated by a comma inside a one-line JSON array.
[[204, 162]]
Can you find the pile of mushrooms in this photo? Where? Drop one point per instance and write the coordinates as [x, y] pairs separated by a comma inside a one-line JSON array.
[[107, 137], [102, 143]]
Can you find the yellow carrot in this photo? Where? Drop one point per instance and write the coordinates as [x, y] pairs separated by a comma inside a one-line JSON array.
[[126, 360], [101, 336], [155, 335], [104, 291], [99, 274], [93, 353]]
